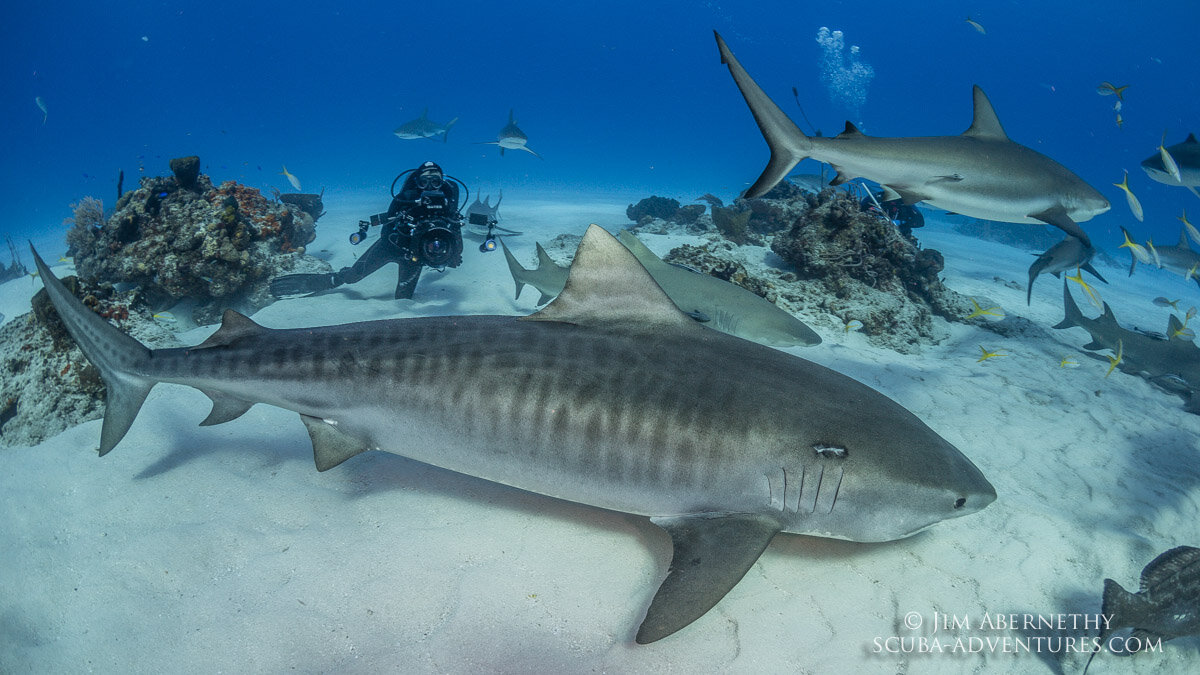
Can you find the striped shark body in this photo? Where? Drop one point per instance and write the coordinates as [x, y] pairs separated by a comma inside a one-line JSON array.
[[609, 397]]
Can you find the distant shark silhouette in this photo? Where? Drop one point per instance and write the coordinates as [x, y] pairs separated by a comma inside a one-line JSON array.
[[980, 173], [1180, 259], [1066, 255], [512, 138], [485, 212], [423, 127], [1187, 159]]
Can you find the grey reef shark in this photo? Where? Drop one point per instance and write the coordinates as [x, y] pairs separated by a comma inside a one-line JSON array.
[[717, 303], [979, 173], [1172, 363], [609, 397], [1187, 163], [1180, 258], [511, 138], [423, 127], [1066, 255]]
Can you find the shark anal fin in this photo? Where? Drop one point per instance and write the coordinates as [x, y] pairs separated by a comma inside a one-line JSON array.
[[330, 446], [712, 552], [225, 408]]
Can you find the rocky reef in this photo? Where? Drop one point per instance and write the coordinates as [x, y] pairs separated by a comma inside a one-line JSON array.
[[180, 237], [833, 263]]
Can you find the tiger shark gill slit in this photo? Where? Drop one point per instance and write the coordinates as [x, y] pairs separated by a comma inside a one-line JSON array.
[[980, 173], [609, 396]]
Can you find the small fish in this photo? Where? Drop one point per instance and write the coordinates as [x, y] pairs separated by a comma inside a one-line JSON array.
[[1134, 204], [1107, 88], [1165, 607], [296, 181], [1191, 314], [1120, 121], [1093, 297], [852, 324], [976, 25], [988, 355], [1191, 229], [1068, 362], [979, 311], [1184, 333], [42, 106], [145, 38], [1138, 251], [1113, 361], [1163, 302], [1154, 253], [1169, 161], [1187, 276]]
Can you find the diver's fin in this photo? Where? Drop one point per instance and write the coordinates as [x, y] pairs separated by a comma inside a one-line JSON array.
[[330, 446], [712, 552]]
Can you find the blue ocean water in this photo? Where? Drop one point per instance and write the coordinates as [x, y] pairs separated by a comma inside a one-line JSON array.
[[620, 98]]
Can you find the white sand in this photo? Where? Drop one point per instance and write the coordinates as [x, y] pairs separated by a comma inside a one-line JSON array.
[[221, 549]]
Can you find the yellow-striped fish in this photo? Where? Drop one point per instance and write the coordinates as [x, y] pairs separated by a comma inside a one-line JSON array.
[[1107, 88], [1191, 229], [296, 181], [988, 355], [1169, 161], [976, 25], [1134, 204], [1114, 361], [1138, 251]]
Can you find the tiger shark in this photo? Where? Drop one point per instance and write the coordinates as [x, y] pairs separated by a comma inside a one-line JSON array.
[[512, 138], [720, 304], [979, 173], [423, 127], [1187, 160], [609, 397]]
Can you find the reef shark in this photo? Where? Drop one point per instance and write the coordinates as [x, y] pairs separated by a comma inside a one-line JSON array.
[[423, 127], [1179, 258], [719, 304], [481, 214], [1187, 160], [980, 173], [1172, 363], [512, 138], [1066, 255], [609, 397]]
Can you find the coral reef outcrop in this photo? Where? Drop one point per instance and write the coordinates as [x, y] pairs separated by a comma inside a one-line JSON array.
[[182, 237]]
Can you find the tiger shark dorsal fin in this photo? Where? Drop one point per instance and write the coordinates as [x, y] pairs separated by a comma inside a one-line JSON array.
[[234, 326], [712, 552], [608, 287], [985, 125]]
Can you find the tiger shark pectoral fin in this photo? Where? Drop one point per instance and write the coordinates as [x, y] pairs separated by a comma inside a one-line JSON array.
[[1057, 216], [712, 552]]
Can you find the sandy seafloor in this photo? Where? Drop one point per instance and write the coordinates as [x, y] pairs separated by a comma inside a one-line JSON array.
[[221, 549]]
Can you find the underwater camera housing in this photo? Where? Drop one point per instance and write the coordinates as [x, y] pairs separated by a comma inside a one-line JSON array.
[[489, 240], [437, 242]]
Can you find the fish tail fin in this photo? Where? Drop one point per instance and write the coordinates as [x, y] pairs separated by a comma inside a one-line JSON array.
[[1120, 607], [1073, 317], [788, 144], [515, 268], [446, 131], [121, 360]]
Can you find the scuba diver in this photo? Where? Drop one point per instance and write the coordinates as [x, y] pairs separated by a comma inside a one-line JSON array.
[[907, 218], [421, 228]]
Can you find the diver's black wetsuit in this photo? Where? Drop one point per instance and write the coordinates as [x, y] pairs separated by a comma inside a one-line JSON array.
[[413, 205]]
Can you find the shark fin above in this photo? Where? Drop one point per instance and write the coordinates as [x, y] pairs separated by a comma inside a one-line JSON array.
[[1191, 139], [543, 257], [607, 286], [225, 408], [712, 552], [330, 446], [1087, 267], [986, 125], [640, 251], [851, 131], [234, 326], [1057, 216]]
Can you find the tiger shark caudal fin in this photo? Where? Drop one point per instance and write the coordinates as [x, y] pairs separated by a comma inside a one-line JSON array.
[[118, 357]]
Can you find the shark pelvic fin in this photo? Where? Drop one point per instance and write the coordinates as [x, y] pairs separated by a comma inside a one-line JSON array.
[[234, 326], [330, 446], [607, 286], [985, 125], [225, 408], [712, 552]]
